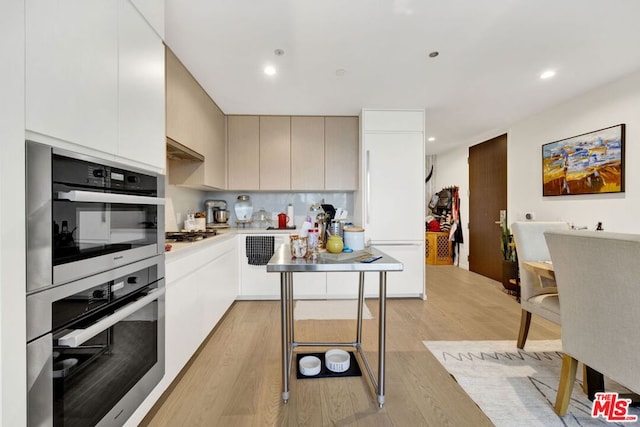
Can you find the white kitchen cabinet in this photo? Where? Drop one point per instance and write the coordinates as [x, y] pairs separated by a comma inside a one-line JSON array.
[[257, 284], [72, 71], [392, 199], [141, 128], [200, 289], [95, 80], [344, 284]]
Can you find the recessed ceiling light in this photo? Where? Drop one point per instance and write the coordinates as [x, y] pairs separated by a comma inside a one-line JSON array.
[[278, 52], [269, 70], [434, 54], [547, 74], [431, 139]]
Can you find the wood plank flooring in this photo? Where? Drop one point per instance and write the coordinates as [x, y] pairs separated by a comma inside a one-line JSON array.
[[235, 380]]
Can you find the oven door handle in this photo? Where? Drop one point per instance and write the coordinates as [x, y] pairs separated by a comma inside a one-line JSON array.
[[77, 337], [94, 197]]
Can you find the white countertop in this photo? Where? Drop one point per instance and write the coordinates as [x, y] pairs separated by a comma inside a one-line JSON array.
[[223, 235]]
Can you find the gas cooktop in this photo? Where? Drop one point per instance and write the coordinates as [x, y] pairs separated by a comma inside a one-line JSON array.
[[188, 236]]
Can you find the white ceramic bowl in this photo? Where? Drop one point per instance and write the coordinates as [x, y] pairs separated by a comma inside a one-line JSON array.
[[337, 360], [310, 366]]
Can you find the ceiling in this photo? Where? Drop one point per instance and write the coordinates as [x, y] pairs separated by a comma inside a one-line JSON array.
[[486, 77]]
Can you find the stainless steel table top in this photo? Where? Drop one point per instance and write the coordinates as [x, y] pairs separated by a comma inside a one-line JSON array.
[[281, 261]]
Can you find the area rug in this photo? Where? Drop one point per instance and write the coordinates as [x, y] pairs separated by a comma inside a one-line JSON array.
[[518, 387], [333, 309]]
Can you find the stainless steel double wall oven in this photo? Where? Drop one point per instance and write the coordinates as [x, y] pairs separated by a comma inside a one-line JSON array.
[[95, 287]]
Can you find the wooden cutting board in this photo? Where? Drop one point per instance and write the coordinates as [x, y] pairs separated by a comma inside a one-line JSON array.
[[343, 256]]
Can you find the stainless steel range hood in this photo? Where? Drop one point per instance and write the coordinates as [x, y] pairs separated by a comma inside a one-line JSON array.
[[177, 151]]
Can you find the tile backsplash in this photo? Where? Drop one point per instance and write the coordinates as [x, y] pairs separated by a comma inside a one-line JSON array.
[[185, 200]]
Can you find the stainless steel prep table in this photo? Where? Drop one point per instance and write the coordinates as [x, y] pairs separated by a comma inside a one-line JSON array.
[[282, 263]]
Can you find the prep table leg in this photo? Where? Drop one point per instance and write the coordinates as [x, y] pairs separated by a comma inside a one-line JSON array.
[[360, 305], [284, 318], [290, 308], [382, 336]]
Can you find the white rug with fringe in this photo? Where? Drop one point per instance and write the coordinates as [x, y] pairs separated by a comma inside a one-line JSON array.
[[333, 309], [518, 387]]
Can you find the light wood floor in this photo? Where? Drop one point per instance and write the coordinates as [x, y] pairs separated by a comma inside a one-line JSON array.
[[235, 380]]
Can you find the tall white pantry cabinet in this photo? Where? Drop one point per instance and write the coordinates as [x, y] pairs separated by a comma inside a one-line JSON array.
[[392, 193]]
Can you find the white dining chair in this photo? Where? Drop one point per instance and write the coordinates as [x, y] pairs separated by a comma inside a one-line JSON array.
[[598, 277], [537, 295]]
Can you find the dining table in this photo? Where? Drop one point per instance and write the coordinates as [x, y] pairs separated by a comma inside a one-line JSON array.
[[375, 261]]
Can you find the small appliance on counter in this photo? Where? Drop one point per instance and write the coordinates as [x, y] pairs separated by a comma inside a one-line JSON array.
[[243, 209], [217, 214]]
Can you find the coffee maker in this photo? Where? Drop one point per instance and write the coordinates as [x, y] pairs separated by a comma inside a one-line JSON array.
[[217, 213]]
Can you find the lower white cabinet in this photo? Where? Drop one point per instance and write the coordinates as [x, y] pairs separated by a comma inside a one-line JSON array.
[[410, 281], [256, 283], [200, 289]]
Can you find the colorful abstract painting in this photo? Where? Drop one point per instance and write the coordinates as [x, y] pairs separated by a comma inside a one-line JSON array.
[[591, 163]]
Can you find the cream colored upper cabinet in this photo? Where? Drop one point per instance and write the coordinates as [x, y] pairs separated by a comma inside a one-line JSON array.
[[275, 152], [183, 113], [72, 71], [307, 153], [141, 124], [341, 153], [215, 155], [243, 133]]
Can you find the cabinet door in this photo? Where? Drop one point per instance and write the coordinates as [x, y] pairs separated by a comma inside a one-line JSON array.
[[394, 186], [307, 153], [341, 153], [215, 155], [244, 152], [393, 120], [275, 153], [183, 314], [218, 288], [255, 282], [411, 281], [72, 71], [141, 90], [181, 102]]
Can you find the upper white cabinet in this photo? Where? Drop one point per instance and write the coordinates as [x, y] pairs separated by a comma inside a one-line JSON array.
[[393, 121], [72, 71], [94, 79], [141, 97]]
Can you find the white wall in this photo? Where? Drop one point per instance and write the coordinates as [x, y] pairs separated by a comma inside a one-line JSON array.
[[609, 105], [452, 170], [13, 409], [606, 106]]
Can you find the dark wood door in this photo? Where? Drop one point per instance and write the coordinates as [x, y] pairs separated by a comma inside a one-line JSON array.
[[487, 197]]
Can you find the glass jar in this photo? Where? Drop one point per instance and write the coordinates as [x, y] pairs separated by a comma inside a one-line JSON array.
[[243, 208], [334, 244]]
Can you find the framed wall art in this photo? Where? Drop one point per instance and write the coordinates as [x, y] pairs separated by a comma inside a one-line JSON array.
[[591, 163]]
